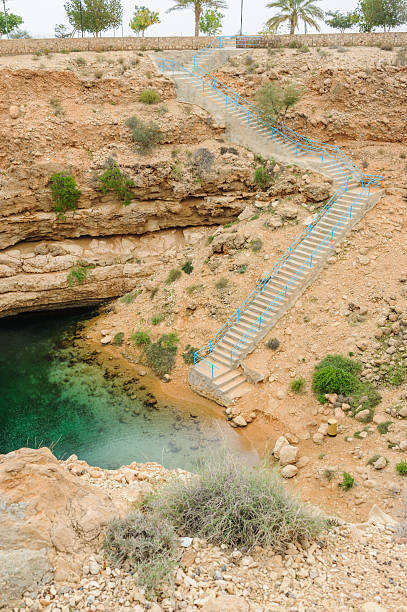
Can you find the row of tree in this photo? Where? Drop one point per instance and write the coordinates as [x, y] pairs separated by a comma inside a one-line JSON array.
[[97, 16]]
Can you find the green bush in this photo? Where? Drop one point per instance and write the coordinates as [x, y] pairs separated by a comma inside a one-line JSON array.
[[161, 355], [188, 354], [146, 545], [297, 385], [149, 96], [383, 428], [401, 468], [57, 107], [140, 338], [78, 273], [347, 481], [237, 505], [173, 275], [374, 458], [187, 267], [128, 298], [256, 245], [114, 180], [343, 363], [64, 193], [334, 380], [294, 44], [157, 319], [146, 134], [118, 339], [80, 61], [262, 178]]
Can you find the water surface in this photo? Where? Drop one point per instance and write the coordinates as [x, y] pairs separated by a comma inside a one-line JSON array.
[[53, 394]]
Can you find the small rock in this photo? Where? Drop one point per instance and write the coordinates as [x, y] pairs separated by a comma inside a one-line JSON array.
[[362, 415], [302, 462], [14, 111], [318, 438], [106, 340], [289, 471], [280, 442], [240, 421], [94, 567], [380, 463], [186, 542]]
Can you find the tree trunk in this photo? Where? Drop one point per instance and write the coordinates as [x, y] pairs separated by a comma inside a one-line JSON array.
[[142, 34], [292, 27], [197, 18]]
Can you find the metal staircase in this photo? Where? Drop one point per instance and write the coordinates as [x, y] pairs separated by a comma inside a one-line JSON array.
[[216, 372]]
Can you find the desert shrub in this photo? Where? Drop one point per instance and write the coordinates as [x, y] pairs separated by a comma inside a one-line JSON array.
[[113, 179], [118, 339], [273, 344], [176, 170], [294, 44], [194, 289], [401, 57], [98, 74], [237, 505], [146, 134], [202, 160], [222, 283], [187, 267], [188, 354], [128, 298], [64, 193], [161, 355], [275, 100], [304, 49], [78, 273], [149, 96], [241, 269], [386, 47], [383, 428], [298, 384], [80, 61], [401, 468], [262, 177], [157, 319], [173, 275], [140, 338], [143, 544], [56, 107], [256, 245], [347, 481], [396, 375]]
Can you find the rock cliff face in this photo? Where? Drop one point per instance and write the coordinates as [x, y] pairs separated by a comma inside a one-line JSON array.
[[58, 120]]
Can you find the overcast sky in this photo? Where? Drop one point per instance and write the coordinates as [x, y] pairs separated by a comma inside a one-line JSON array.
[[40, 16]]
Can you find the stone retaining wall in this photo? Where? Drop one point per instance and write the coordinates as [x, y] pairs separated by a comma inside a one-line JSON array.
[[56, 45]]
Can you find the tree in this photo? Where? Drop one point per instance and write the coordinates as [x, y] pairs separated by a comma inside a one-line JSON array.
[[61, 31], [143, 18], [381, 13], [13, 21], [19, 33], [294, 11], [341, 21], [210, 22], [198, 6], [97, 15], [275, 100]]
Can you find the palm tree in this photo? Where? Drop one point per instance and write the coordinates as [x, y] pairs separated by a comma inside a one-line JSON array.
[[295, 11], [198, 6]]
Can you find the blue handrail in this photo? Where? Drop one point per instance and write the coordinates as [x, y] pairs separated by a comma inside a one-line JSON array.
[[332, 152]]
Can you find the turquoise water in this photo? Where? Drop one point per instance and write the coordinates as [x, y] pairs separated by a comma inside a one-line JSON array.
[[53, 394]]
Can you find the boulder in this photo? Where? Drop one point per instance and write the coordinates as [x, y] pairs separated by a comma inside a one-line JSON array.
[[288, 454], [362, 415], [380, 463], [49, 519], [14, 111]]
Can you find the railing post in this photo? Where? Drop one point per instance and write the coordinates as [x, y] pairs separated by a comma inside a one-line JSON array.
[[296, 149], [322, 158], [238, 313], [347, 183], [231, 356], [332, 235], [285, 291], [212, 369], [210, 345]]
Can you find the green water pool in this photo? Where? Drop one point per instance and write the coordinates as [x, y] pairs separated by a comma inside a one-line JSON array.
[[51, 395]]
